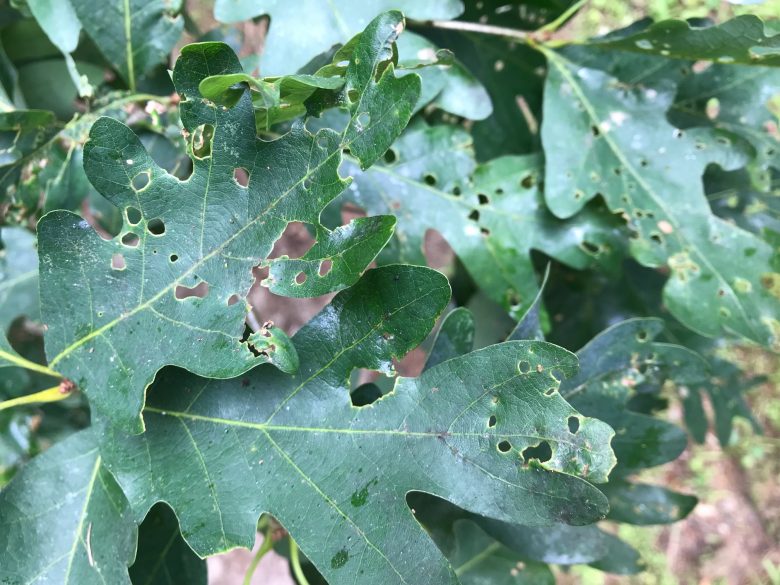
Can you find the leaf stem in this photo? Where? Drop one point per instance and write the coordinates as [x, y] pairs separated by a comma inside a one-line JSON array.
[[28, 365], [476, 27], [52, 394], [295, 563], [554, 25], [265, 546]]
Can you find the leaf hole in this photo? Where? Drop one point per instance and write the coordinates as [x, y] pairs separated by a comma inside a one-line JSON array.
[[474, 215], [456, 191], [241, 177], [430, 179], [200, 291], [504, 446], [300, 278], [133, 215], [390, 156], [523, 367], [641, 336], [483, 199], [118, 262], [353, 95], [201, 141], [589, 247], [130, 240], [156, 226], [232, 300], [528, 181], [484, 231], [173, 258], [557, 375], [141, 181], [595, 131], [492, 421], [550, 391], [363, 120], [541, 452], [325, 267], [574, 424]]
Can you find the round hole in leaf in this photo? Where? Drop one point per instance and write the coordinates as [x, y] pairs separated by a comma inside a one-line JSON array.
[[134, 216], [241, 176], [429, 179], [574, 424], [325, 266], [641, 336], [156, 226], [504, 446], [118, 262], [130, 239], [483, 199], [390, 156], [492, 421], [141, 181], [173, 258], [523, 367], [300, 278]]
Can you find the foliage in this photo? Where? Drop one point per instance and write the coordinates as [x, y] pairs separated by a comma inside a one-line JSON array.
[[148, 419]]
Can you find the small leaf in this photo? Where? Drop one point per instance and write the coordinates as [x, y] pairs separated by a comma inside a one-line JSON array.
[[744, 39], [454, 338], [133, 35], [644, 505]]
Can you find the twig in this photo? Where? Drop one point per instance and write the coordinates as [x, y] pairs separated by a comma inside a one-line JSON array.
[[295, 563], [265, 546]]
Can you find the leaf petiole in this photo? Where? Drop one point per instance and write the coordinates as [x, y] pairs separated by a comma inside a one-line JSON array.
[[28, 365], [53, 394], [295, 563], [265, 546]]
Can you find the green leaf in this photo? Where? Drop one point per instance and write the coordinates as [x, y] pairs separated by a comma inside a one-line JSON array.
[[49, 174], [529, 326], [22, 131], [133, 35], [325, 24], [60, 23], [454, 338], [621, 558], [745, 39], [643, 504], [63, 519], [614, 366], [478, 559], [448, 85], [125, 318], [558, 544], [601, 137], [347, 470], [18, 276], [738, 98], [430, 180], [725, 389], [163, 557]]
